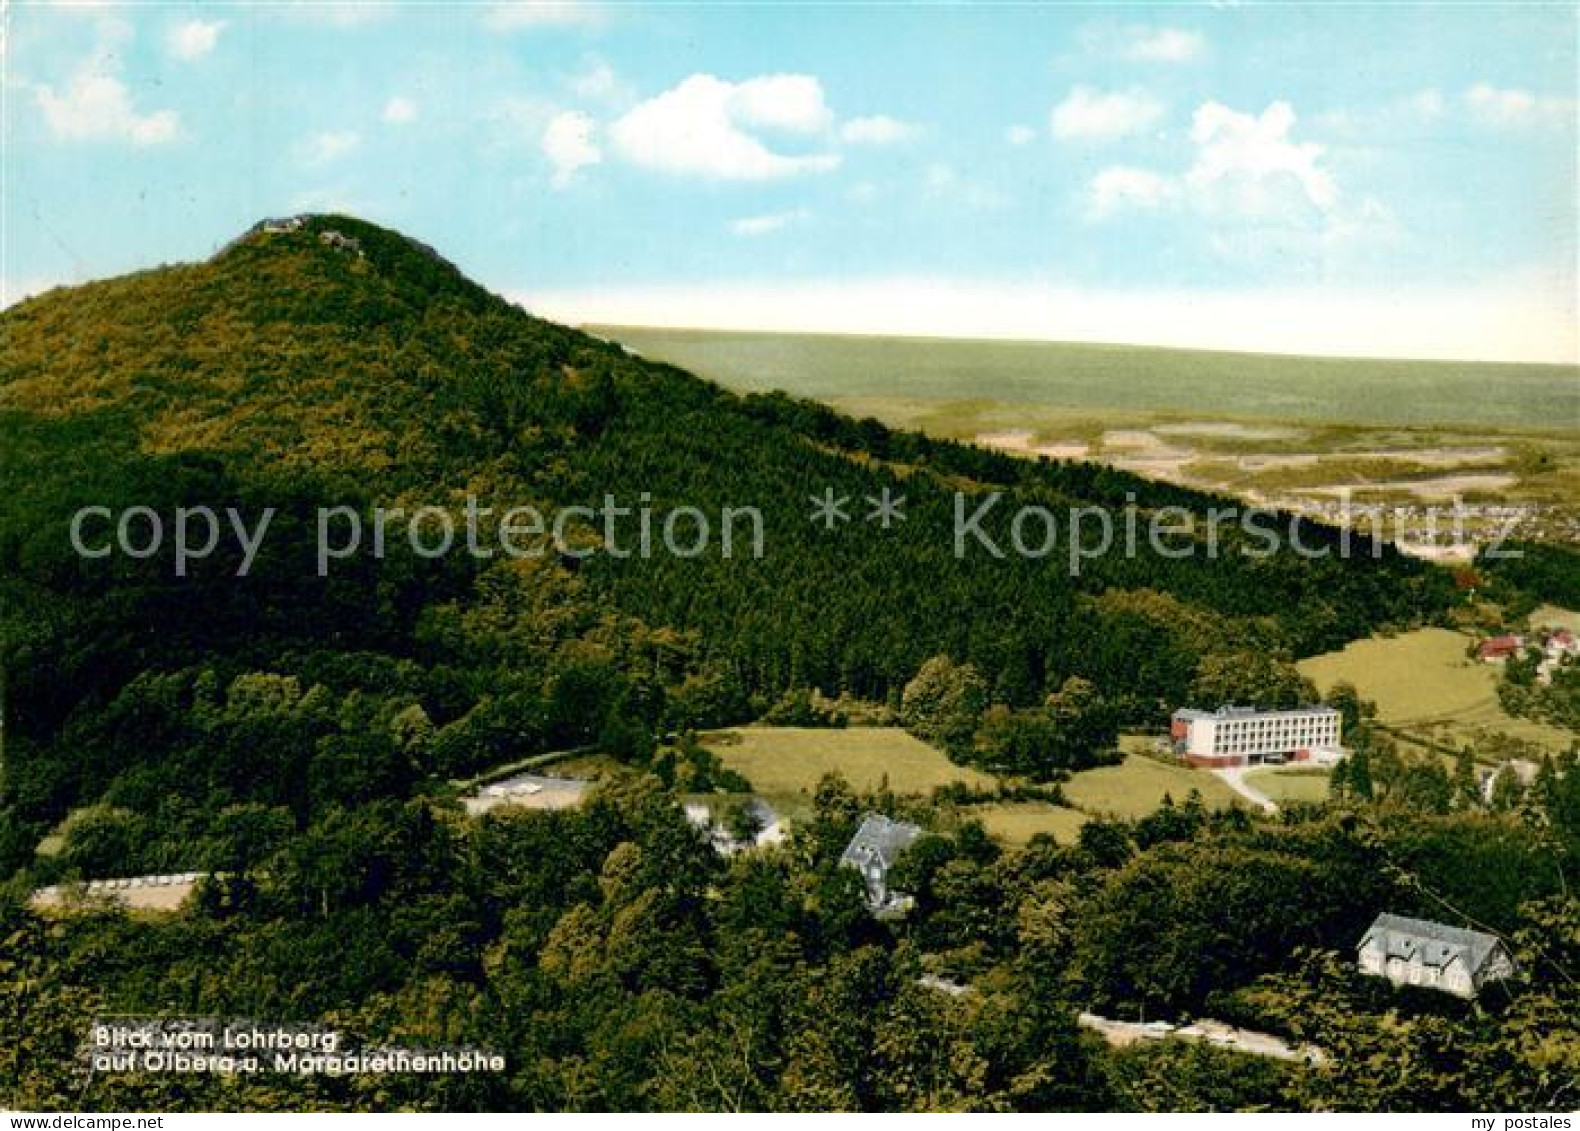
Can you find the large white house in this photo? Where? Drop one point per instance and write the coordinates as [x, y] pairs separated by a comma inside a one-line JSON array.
[[1243, 736], [1419, 952]]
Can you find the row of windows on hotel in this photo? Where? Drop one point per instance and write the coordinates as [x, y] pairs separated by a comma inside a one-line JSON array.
[[1283, 728], [1240, 736]]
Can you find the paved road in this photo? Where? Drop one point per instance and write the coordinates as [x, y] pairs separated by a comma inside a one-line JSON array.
[[1122, 1033], [135, 893], [1234, 778]]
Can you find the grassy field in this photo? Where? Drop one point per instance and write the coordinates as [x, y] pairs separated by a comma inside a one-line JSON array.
[[1016, 822], [1138, 785], [784, 765], [1424, 684], [1288, 785], [1134, 788], [786, 762]]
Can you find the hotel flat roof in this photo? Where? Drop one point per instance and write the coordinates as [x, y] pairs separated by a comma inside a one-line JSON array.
[[1231, 712]]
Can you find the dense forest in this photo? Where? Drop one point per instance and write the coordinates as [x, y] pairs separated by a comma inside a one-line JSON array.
[[298, 372], [295, 730], [617, 961]]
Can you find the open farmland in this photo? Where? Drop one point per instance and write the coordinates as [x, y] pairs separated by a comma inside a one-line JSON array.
[[1426, 686], [1103, 378], [1298, 432]]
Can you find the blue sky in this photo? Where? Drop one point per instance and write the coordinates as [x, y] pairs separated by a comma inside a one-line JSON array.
[[1374, 179]]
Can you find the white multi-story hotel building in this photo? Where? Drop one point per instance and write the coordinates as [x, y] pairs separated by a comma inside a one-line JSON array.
[[1242, 736]]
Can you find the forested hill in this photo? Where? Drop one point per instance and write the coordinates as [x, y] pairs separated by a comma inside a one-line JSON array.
[[328, 362]]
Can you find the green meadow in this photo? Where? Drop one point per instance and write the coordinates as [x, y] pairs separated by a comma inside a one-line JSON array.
[[1290, 785], [784, 765], [1426, 685]]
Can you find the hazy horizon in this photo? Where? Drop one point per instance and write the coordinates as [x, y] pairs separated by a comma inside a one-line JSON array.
[[1154, 175]]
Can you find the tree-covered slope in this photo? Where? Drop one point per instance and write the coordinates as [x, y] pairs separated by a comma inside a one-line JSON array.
[[334, 363]]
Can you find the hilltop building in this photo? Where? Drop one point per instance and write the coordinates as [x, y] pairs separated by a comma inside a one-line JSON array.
[[1419, 952], [1244, 736], [876, 847]]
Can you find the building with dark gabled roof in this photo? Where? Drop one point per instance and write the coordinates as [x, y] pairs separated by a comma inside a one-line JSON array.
[[1419, 952], [876, 847]]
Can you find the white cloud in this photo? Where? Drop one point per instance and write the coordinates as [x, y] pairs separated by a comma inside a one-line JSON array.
[[784, 102], [1020, 135], [1509, 107], [1121, 186], [880, 129], [1247, 162], [1162, 45], [96, 106], [1516, 320], [521, 15], [400, 111], [194, 38], [328, 145], [569, 146], [944, 182], [763, 225], [1088, 114], [598, 82], [1248, 176], [1141, 43], [1500, 107], [701, 128], [1384, 124], [515, 115]]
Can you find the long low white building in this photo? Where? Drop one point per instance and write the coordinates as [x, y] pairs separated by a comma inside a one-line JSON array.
[[1244, 736]]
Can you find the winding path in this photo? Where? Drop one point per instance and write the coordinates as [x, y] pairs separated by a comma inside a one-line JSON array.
[[1234, 778]]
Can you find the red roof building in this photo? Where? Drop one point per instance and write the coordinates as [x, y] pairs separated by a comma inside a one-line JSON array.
[[1500, 648]]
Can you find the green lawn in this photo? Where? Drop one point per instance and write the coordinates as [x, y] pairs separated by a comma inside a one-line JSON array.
[[1016, 822], [1288, 785], [1137, 786], [784, 765], [1424, 683], [784, 762]]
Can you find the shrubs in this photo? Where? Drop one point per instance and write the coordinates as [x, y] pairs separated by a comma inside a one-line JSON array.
[[809, 707]]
